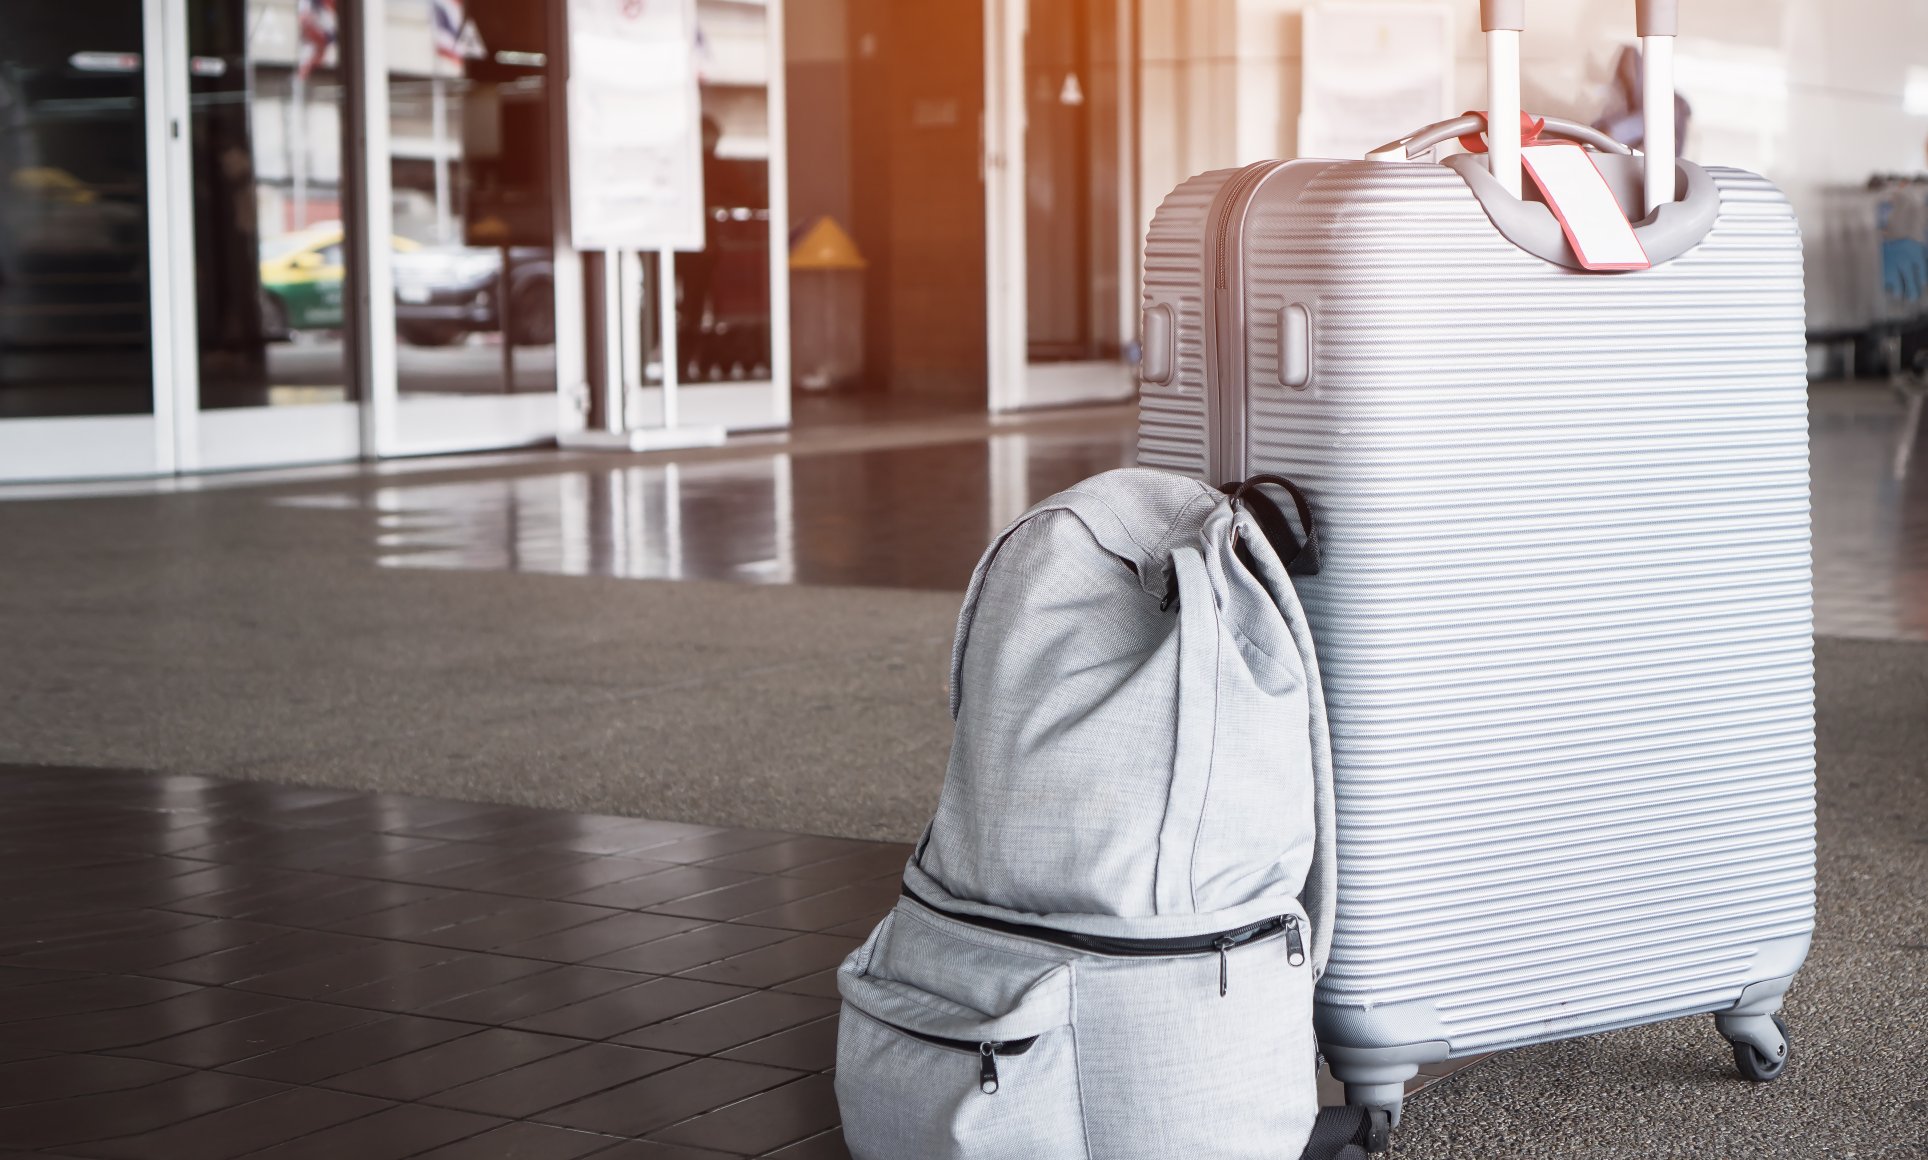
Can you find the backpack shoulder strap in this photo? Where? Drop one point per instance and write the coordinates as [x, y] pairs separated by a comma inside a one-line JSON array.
[[1262, 554], [1338, 1134], [1195, 727], [1301, 557]]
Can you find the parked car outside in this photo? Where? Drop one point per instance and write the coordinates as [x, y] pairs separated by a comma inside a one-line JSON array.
[[301, 280], [445, 293], [442, 293]]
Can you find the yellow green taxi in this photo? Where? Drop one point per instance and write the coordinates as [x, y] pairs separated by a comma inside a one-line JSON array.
[[302, 275]]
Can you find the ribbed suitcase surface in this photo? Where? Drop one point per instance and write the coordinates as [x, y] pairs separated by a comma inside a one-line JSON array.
[[1172, 427], [1564, 618]]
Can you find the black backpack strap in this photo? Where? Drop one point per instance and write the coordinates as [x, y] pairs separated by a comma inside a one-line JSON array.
[[1338, 1134], [1299, 558]]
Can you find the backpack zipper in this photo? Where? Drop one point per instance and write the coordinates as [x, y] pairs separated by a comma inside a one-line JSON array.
[[986, 1051], [1223, 942]]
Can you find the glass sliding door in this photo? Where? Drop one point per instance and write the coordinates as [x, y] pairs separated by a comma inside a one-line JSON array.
[[474, 270], [240, 233], [1063, 231], [731, 297], [270, 247], [1071, 185], [78, 111]]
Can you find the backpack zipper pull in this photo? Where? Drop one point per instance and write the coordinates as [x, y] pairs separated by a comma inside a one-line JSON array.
[[987, 1068], [1294, 945], [1223, 943]]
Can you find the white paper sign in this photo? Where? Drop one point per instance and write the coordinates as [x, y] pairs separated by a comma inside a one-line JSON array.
[[635, 126], [1374, 72]]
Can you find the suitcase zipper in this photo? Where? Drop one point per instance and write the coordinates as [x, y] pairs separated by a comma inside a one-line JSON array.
[[986, 1051], [1221, 460], [1222, 942], [1245, 180]]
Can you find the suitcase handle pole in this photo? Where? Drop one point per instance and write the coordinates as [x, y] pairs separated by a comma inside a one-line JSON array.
[[1502, 21], [1659, 23]]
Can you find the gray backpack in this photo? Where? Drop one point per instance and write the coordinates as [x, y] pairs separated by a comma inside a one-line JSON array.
[[1108, 936]]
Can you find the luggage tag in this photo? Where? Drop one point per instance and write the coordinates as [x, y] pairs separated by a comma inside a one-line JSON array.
[[1579, 196]]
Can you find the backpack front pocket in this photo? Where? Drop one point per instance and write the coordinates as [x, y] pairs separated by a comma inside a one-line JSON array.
[[1194, 1045], [1220, 1044], [950, 1049]]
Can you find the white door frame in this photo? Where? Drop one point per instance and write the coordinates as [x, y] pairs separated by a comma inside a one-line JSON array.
[[230, 437], [397, 425], [738, 405], [176, 435], [369, 187], [143, 443], [1015, 382], [171, 252], [1006, 23]]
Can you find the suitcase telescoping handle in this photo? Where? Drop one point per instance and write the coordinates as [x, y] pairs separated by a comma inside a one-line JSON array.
[[1502, 21], [1657, 22]]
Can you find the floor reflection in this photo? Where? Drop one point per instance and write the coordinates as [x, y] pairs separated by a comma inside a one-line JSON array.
[[918, 516], [1870, 517], [630, 524], [910, 517]]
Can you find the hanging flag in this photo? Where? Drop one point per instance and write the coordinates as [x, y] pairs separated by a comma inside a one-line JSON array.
[[317, 26], [456, 38], [445, 20]]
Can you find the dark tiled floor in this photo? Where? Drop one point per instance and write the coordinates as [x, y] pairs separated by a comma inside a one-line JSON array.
[[202, 969]]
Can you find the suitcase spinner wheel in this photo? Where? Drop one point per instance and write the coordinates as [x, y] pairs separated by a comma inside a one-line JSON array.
[[1762, 1045], [1379, 1130]]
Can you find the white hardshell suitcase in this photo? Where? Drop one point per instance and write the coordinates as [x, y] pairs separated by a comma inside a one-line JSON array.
[[1564, 610]]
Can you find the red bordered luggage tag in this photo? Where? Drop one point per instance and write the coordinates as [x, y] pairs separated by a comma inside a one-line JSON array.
[[1580, 197]]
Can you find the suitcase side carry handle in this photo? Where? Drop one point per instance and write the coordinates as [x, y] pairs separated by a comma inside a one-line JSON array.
[[1300, 557]]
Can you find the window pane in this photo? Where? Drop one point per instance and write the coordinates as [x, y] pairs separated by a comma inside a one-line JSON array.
[[469, 158], [74, 332], [270, 260], [723, 300], [1072, 180]]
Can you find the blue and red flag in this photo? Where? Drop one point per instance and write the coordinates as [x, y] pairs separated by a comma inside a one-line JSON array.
[[318, 26]]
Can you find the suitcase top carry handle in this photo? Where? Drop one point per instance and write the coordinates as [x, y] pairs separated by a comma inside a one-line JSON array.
[[1657, 21], [1415, 144]]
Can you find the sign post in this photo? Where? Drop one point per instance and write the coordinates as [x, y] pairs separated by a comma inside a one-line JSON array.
[[636, 177]]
